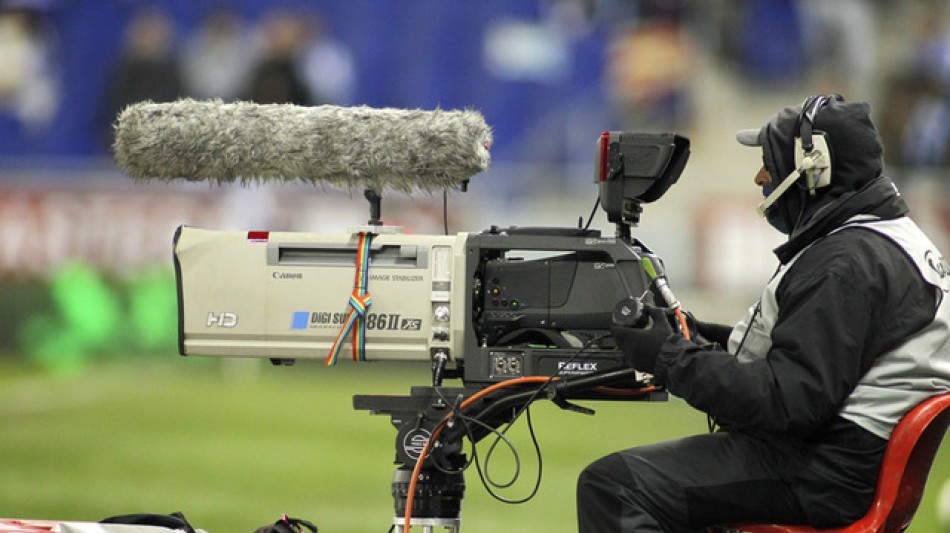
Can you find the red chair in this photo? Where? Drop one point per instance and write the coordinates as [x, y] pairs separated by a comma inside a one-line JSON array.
[[907, 460]]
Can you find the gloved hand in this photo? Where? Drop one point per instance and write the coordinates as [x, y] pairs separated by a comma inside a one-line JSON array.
[[707, 332], [641, 345]]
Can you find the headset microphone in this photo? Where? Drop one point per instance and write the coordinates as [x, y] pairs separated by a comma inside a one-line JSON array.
[[807, 164]]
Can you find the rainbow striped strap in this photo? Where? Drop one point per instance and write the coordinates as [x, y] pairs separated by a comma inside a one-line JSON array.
[[359, 303]]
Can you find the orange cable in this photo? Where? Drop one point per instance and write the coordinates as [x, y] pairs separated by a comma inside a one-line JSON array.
[[410, 497], [425, 449], [617, 391], [681, 317]]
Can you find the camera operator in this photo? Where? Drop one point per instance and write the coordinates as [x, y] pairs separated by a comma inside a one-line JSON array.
[[849, 334]]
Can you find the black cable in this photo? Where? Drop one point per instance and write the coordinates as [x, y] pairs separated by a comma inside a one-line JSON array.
[[488, 456], [455, 413], [711, 423], [592, 211], [487, 482], [587, 344], [798, 219], [524, 408], [445, 211], [710, 420]]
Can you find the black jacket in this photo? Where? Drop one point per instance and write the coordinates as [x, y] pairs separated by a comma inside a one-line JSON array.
[[845, 301], [848, 298]]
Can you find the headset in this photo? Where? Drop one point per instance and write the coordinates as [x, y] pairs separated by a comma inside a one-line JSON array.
[[812, 152]]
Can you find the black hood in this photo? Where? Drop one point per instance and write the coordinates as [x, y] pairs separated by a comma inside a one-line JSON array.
[[857, 162], [879, 197]]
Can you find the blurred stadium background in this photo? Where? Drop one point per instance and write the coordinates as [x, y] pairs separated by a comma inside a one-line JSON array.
[[101, 417]]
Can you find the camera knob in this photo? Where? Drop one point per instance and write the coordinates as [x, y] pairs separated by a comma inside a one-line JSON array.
[[441, 313], [629, 313]]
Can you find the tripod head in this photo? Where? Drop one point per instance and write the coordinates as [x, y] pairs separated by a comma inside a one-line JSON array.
[[431, 423]]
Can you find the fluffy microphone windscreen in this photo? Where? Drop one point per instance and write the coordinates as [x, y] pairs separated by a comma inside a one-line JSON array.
[[346, 147]]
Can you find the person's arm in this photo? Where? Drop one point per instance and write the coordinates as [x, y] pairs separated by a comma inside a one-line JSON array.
[[718, 333], [830, 305]]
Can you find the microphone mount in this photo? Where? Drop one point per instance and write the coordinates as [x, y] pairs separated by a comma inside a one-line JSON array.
[[375, 207]]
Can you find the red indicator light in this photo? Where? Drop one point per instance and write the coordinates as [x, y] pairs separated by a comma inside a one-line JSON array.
[[258, 236], [603, 155]]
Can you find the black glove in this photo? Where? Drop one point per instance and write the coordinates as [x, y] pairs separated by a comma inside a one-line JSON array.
[[641, 345], [703, 333]]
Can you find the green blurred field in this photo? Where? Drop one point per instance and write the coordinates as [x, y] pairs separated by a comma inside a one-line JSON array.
[[235, 444]]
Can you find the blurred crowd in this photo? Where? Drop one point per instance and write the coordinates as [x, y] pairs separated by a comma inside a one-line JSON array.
[[286, 56], [895, 54], [28, 81], [285, 59], [918, 96]]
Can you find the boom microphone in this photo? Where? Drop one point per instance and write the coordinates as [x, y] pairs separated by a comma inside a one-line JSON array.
[[763, 207], [346, 147]]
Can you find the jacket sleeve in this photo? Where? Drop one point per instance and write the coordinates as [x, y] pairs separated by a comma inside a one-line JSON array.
[[819, 351], [718, 333]]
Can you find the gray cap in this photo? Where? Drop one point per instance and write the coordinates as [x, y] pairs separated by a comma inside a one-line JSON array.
[[749, 137]]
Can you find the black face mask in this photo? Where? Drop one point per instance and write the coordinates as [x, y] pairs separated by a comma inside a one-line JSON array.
[[773, 214]]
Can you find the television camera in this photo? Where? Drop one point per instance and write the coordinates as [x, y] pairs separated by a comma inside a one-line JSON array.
[[517, 314]]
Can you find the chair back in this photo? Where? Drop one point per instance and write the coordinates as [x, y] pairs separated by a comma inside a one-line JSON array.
[[909, 457], [900, 485]]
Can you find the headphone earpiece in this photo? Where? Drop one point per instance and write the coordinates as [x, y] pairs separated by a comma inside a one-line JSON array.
[[814, 164], [812, 152]]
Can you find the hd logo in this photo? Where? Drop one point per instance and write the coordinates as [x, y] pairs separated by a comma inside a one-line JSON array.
[[221, 320], [374, 321]]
